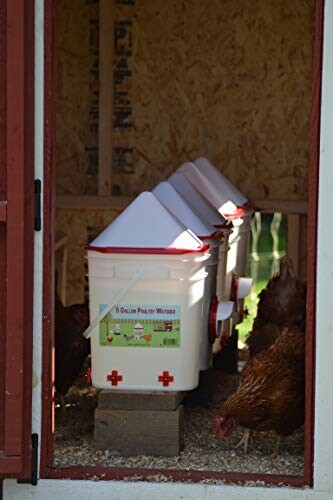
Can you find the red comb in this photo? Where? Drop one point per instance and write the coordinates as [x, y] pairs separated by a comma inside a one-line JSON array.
[[217, 425]]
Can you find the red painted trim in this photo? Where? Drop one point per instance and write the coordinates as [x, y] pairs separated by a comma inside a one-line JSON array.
[[149, 251], [312, 242], [29, 210], [49, 219], [10, 465], [19, 134], [123, 473], [3, 196], [15, 235]]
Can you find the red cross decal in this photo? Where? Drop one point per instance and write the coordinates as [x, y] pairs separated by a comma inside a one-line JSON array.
[[114, 377], [166, 378]]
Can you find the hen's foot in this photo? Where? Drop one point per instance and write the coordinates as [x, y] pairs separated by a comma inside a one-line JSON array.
[[245, 440], [276, 448]]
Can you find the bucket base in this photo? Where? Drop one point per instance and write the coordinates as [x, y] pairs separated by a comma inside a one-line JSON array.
[[140, 423]]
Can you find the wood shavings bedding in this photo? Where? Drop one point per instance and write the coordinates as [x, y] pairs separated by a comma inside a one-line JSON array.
[[74, 445]]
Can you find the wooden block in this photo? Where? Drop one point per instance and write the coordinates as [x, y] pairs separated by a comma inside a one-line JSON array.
[[139, 400], [137, 432]]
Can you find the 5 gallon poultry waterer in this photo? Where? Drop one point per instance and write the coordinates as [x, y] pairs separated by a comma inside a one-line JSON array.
[[146, 279], [230, 203], [174, 202], [208, 213], [235, 196]]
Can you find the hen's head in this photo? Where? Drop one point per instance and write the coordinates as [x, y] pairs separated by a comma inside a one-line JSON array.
[[224, 424]]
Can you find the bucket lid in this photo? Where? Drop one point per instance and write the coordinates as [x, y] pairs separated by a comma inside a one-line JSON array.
[[195, 200], [173, 201], [218, 196], [218, 179], [147, 226]]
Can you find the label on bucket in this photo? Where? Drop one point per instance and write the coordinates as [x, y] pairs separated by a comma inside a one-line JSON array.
[[129, 325]]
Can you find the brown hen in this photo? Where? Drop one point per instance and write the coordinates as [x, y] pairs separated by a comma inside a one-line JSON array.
[[270, 395], [281, 304]]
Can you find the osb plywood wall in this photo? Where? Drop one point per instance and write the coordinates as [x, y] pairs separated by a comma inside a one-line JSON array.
[[227, 80], [230, 80]]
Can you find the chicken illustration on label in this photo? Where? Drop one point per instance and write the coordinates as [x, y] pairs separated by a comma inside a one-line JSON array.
[[131, 325]]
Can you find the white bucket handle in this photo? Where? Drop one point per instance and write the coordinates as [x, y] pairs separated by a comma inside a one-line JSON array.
[[119, 296]]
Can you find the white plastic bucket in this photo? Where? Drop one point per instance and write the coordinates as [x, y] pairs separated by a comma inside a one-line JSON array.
[[216, 196], [179, 207], [167, 303], [217, 178], [227, 189], [216, 199], [146, 281], [194, 199], [207, 212], [220, 193]]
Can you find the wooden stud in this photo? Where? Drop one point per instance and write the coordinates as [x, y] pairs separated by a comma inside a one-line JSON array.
[[120, 202], [60, 241], [105, 97], [282, 206]]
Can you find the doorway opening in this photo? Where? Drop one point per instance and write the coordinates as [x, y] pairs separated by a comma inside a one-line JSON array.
[[169, 97]]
